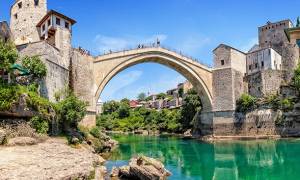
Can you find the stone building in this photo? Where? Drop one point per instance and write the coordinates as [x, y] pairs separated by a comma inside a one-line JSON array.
[[228, 74], [47, 35]]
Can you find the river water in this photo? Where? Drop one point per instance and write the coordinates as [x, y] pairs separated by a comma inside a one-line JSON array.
[[189, 159]]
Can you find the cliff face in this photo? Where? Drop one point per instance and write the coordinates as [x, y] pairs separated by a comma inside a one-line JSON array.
[[259, 123]]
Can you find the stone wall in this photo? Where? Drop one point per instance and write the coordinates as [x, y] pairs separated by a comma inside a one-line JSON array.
[[57, 72], [264, 83], [228, 86], [24, 19]]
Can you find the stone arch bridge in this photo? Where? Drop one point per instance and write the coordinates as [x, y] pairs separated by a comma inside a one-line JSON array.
[[90, 75]]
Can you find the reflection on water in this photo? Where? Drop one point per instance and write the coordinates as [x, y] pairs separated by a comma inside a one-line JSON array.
[[192, 159]]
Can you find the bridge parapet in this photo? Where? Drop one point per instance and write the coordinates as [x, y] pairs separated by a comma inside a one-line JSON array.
[[147, 49]]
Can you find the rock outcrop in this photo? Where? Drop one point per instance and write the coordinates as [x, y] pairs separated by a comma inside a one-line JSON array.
[[141, 168], [53, 159]]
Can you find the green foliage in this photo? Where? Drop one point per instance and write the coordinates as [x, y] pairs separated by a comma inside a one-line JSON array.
[[123, 110], [8, 55], [286, 104], [296, 78], [71, 110], [161, 96], [246, 103], [39, 124], [141, 97], [140, 118], [35, 66], [8, 95], [190, 107], [110, 107]]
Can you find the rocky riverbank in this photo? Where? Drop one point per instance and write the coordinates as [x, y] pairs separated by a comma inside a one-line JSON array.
[[52, 159]]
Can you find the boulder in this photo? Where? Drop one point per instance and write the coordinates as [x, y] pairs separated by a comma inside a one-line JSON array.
[[142, 168], [22, 141], [188, 133]]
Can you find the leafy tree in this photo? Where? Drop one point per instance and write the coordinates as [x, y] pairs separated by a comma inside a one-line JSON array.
[[125, 101], [191, 105], [141, 96], [35, 66], [71, 111], [8, 55], [110, 107], [123, 110]]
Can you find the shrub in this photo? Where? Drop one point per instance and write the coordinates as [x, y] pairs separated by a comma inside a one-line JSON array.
[[39, 124], [8, 95], [246, 103], [296, 78], [70, 111], [286, 104]]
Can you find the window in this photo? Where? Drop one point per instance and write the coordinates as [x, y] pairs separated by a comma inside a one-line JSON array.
[[262, 64], [256, 65], [250, 67], [67, 25], [36, 2], [44, 27], [49, 22], [259, 89], [20, 5], [57, 21], [16, 16], [222, 62]]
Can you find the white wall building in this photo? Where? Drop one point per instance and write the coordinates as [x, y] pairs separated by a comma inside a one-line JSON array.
[[263, 59]]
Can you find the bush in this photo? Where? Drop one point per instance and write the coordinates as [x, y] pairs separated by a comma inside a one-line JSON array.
[[246, 103], [296, 78], [8, 95], [39, 124], [286, 104], [70, 111]]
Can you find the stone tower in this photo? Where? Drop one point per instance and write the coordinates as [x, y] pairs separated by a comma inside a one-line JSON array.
[[24, 16], [273, 35], [229, 70]]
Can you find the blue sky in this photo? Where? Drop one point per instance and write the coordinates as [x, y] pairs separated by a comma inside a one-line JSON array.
[[194, 27]]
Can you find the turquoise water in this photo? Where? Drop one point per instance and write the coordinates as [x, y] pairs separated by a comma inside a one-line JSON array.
[[196, 160]]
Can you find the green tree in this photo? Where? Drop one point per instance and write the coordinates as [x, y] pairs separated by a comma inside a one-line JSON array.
[[35, 66], [123, 110], [125, 101], [8, 55], [70, 111], [191, 105], [110, 107], [141, 96]]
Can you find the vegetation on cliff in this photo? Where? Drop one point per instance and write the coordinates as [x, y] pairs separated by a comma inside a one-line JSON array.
[[118, 116]]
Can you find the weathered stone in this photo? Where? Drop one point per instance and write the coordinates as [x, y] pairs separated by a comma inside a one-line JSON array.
[[21, 141], [53, 159]]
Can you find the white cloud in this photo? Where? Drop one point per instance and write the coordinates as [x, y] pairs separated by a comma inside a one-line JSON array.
[[245, 47], [106, 43]]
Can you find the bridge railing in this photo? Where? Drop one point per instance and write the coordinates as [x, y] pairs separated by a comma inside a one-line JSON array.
[[151, 45]]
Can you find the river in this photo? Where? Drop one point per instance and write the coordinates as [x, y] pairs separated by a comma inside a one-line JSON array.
[[190, 159]]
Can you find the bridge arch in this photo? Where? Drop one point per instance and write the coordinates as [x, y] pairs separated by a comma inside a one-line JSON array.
[[107, 66]]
